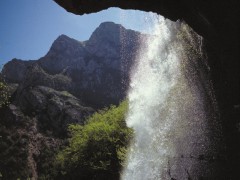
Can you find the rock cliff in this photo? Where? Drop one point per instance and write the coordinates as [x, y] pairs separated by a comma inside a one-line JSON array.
[[96, 71], [64, 87]]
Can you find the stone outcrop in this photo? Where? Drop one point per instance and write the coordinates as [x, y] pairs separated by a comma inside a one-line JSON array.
[[14, 70], [23, 146], [96, 70], [54, 110], [33, 127]]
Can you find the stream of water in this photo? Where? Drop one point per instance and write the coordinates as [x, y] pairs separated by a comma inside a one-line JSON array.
[[167, 109]]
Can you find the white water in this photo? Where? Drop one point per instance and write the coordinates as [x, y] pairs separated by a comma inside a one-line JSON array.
[[166, 113]]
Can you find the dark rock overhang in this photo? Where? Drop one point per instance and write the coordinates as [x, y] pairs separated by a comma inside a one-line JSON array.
[[209, 18]]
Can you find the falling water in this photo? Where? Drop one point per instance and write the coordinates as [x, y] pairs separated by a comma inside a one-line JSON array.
[[171, 108]]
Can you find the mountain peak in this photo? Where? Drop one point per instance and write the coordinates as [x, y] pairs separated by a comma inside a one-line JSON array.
[[64, 38], [106, 32], [64, 43], [110, 25]]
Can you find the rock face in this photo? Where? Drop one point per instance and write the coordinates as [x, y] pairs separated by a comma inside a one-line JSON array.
[[33, 127], [64, 87], [95, 71], [218, 23], [23, 146], [14, 70], [54, 110]]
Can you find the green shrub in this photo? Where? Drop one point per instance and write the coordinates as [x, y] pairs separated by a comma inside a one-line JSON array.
[[96, 150], [4, 93]]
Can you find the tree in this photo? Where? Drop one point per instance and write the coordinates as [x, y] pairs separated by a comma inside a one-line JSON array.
[[97, 150], [4, 93]]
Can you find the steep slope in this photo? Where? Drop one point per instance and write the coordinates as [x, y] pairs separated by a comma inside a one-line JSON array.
[[64, 87], [14, 70], [33, 127], [95, 71]]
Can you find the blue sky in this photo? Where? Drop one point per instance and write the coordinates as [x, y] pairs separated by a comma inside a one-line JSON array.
[[29, 27]]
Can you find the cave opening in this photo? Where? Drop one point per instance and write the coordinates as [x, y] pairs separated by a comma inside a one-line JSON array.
[[187, 159], [218, 24]]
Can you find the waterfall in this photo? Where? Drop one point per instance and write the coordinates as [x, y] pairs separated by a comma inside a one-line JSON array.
[[172, 108]]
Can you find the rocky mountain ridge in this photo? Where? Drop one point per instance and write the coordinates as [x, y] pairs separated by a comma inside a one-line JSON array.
[[64, 87], [95, 70]]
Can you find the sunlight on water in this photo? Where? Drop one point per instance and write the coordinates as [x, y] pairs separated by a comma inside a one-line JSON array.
[[165, 111]]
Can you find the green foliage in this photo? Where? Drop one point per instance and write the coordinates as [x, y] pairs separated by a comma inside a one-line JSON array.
[[45, 162], [13, 155], [4, 93], [97, 149]]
